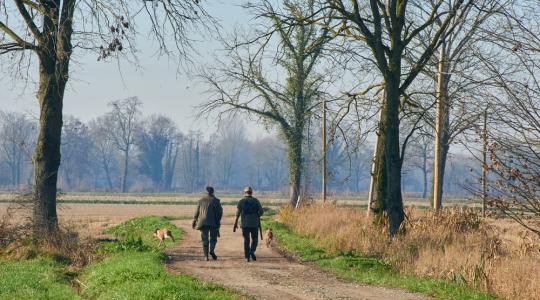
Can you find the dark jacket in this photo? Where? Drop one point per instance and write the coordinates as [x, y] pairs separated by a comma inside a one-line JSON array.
[[209, 213], [250, 210]]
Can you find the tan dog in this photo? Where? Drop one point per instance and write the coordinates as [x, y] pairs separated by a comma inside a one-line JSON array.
[[162, 234], [269, 236]]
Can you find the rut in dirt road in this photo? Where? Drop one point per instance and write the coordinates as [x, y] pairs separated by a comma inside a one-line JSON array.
[[272, 276]]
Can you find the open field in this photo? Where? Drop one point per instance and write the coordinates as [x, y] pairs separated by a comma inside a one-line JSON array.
[[91, 219], [227, 199]]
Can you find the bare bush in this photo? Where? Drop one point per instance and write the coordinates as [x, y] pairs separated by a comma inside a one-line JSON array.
[[63, 245]]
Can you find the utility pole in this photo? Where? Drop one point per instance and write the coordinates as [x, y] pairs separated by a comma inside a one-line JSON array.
[[324, 150], [484, 164], [439, 127], [374, 162]]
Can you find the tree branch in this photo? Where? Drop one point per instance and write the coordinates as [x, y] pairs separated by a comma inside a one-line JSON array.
[[20, 42]]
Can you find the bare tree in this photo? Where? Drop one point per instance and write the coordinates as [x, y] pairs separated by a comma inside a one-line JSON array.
[[17, 135], [390, 29], [158, 142], [513, 118], [286, 98], [51, 30], [77, 151], [105, 148], [191, 168], [230, 145], [421, 149], [268, 163], [124, 118], [459, 78]]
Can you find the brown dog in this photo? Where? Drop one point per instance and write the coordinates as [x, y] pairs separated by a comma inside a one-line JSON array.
[[269, 236], [162, 234]]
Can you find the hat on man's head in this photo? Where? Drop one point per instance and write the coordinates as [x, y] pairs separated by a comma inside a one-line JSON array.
[[210, 190], [248, 190]]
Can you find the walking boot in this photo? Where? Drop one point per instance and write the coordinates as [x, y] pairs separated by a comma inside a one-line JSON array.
[[212, 250], [205, 251], [253, 256]]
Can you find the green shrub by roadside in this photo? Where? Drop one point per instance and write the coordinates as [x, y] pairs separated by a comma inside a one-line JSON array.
[[366, 270], [39, 278]]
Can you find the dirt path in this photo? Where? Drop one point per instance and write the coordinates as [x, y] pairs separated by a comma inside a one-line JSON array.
[[272, 276]]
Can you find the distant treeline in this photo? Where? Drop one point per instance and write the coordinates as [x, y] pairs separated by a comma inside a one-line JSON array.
[[159, 157]]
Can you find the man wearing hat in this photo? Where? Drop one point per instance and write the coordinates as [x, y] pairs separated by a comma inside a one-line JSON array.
[[207, 219], [250, 209]]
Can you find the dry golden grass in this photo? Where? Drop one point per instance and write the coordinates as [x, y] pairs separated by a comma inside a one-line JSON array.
[[454, 244]]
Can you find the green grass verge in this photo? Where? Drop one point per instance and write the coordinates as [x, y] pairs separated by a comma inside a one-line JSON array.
[[137, 235], [367, 270], [39, 278], [135, 270], [141, 275]]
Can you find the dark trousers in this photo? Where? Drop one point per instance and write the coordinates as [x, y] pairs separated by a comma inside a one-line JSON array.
[[209, 244], [254, 233]]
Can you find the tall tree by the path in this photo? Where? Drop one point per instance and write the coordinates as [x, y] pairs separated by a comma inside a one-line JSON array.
[[390, 29], [51, 30], [250, 81]]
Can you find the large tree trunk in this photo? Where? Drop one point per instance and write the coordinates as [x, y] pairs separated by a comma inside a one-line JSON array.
[[47, 152], [379, 205], [393, 199], [54, 57], [295, 167], [442, 167]]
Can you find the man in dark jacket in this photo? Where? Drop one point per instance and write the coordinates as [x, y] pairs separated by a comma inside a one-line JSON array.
[[250, 209], [207, 219]]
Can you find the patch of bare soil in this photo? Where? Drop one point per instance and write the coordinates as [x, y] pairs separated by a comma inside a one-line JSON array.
[[272, 276]]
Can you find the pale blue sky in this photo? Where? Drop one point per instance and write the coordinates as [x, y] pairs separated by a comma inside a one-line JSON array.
[[162, 90]]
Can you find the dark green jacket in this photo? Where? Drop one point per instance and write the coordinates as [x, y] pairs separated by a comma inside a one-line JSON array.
[[250, 211], [209, 213]]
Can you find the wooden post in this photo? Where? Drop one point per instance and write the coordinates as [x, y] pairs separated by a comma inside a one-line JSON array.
[[439, 127], [323, 171], [484, 164], [374, 163]]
